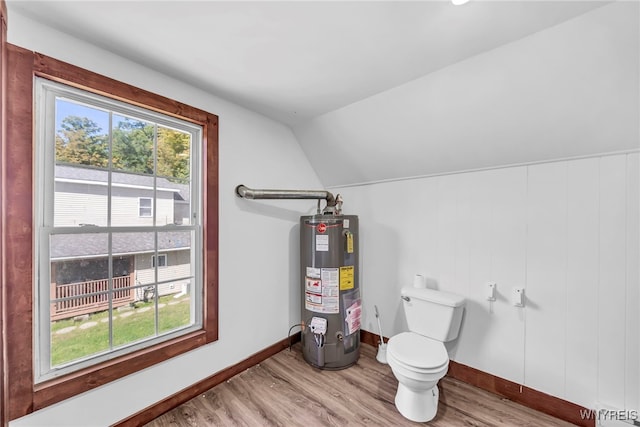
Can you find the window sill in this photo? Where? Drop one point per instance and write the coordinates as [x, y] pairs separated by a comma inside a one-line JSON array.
[[56, 390]]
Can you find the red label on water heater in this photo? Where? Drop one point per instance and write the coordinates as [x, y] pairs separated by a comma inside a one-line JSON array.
[[322, 227]]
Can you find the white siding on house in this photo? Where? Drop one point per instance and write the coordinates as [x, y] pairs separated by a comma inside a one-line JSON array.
[[178, 267], [125, 207], [77, 204]]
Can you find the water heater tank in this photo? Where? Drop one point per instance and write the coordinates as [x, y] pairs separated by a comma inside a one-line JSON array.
[[331, 306]]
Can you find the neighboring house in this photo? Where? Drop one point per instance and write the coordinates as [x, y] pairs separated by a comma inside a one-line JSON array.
[[79, 262], [81, 198]]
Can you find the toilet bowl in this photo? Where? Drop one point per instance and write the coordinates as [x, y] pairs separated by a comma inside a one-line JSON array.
[[418, 363], [418, 358]]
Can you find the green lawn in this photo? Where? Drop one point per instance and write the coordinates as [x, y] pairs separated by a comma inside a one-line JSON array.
[[140, 324]]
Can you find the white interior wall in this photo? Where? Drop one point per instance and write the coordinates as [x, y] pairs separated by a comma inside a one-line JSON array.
[[258, 250], [565, 231]]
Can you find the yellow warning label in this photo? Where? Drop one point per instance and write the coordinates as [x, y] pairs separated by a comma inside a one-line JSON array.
[[346, 277], [349, 242]]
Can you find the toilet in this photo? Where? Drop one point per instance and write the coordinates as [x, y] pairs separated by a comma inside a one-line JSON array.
[[418, 358]]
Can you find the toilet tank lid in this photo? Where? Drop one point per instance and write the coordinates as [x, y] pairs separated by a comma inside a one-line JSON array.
[[438, 297]]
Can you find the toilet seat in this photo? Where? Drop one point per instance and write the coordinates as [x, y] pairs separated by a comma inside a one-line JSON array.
[[418, 353]]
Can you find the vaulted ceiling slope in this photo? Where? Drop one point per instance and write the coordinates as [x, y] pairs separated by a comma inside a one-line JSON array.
[[565, 92], [380, 90]]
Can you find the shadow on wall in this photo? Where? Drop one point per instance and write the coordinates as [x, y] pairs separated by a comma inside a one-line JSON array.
[[379, 271], [265, 208], [479, 314], [432, 283], [295, 287]]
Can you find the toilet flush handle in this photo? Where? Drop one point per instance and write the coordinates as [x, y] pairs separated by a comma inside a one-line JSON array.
[[406, 298]]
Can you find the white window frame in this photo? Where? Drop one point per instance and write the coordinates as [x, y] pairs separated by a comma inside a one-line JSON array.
[[150, 207], [46, 92]]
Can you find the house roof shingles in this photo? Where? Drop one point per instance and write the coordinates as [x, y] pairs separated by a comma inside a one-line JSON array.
[[96, 244], [86, 173]]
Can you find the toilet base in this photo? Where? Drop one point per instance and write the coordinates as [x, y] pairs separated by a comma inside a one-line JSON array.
[[418, 406]]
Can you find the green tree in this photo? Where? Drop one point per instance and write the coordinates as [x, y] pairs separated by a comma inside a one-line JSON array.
[[173, 153], [81, 141], [132, 146]]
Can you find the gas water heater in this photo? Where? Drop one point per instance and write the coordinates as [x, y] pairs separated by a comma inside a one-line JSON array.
[[329, 279], [330, 290]]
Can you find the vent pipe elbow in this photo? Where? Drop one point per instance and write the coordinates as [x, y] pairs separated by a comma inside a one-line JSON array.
[[243, 192]]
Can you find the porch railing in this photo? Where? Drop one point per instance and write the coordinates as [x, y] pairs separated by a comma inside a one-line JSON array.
[[89, 297]]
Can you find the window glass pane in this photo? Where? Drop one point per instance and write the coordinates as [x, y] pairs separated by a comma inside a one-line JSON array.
[[132, 200], [177, 246], [175, 280], [133, 323], [132, 190], [132, 145], [80, 196], [174, 173], [132, 256], [81, 134], [80, 297], [81, 153], [175, 310], [133, 290], [174, 152]]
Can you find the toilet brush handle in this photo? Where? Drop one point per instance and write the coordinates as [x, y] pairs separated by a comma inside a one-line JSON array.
[[379, 326]]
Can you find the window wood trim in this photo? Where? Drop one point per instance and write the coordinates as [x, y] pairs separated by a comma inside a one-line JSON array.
[[23, 397], [3, 130]]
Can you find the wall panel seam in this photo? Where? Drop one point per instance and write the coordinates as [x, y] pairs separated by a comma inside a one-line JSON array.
[[599, 278]]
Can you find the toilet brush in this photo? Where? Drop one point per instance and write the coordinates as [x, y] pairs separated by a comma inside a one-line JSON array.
[[382, 347]]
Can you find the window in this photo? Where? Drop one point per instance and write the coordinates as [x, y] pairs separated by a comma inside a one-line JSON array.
[[103, 154], [162, 260], [144, 207], [99, 155]]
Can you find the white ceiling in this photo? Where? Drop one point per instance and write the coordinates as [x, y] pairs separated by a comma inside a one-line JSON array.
[[294, 61]]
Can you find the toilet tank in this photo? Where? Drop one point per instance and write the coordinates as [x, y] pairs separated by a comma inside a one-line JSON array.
[[434, 314]]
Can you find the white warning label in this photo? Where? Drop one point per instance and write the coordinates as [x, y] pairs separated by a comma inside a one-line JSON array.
[[322, 243], [322, 293]]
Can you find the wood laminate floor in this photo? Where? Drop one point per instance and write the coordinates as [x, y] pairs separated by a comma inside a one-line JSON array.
[[285, 391]]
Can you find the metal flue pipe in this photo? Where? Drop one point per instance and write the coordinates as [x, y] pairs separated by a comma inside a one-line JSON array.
[[250, 193]]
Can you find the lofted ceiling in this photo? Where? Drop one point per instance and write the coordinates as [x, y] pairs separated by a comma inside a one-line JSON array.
[[298, 62]]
